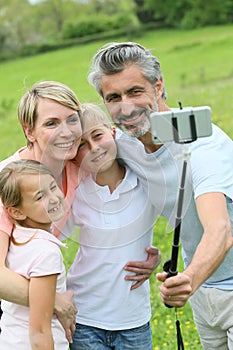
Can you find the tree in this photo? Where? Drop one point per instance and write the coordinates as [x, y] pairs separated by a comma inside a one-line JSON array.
[[191, 13]]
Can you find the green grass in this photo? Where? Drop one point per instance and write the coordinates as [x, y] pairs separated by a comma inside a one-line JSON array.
[[198, 70]]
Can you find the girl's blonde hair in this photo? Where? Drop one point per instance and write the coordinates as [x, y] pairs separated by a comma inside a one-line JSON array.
[[11, 177], [53, 90]]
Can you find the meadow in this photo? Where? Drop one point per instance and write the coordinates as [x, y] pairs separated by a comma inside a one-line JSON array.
[[198, 70]]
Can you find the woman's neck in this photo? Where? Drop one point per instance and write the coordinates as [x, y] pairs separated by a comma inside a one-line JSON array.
[[57, 167]]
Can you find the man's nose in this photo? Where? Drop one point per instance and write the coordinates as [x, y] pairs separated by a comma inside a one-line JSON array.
[[126, 108]]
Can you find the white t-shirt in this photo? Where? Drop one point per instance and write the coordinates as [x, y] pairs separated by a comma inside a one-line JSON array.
[[39, 257], [210, 169], [114, 228]]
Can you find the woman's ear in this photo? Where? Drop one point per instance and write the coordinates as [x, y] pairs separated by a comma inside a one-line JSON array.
[[29, 133], [16, 213]]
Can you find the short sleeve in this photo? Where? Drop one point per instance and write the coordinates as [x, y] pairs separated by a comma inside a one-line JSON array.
[[212, 164], [46, 259]]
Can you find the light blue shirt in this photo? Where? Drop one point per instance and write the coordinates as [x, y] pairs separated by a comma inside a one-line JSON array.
[[210, 169]]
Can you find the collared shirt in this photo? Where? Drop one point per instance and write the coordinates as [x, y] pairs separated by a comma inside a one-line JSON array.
[[114, 228]]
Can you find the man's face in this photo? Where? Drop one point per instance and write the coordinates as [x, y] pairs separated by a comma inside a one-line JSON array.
[[129, 98]]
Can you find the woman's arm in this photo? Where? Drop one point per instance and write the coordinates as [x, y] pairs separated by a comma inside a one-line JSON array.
[[13, 287], [42, 292]]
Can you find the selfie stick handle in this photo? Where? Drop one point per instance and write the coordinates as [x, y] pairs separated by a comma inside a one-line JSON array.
[[175, 245], [170, 266]]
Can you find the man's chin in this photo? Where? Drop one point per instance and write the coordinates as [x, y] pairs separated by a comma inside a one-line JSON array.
[[134, 132]]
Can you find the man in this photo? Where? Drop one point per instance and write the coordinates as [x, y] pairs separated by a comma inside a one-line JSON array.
[[129, 79]]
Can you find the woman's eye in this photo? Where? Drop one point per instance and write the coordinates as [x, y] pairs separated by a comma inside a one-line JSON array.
[[50, 123], [74, 119]]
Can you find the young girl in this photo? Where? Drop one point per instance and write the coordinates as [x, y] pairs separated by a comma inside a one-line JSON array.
[[33, 200]]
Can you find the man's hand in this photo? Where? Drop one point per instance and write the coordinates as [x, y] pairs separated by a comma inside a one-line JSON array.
[[65, 310], [143, 269], [176, 290]]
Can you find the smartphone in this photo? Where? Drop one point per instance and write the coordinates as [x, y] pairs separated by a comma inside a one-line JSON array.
[[181, 125]]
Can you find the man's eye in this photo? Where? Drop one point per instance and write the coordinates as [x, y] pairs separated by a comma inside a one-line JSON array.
[[113, 98], [136, 92]]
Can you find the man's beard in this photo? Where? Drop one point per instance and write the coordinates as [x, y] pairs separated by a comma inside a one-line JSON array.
[[135, 130], [140, 127]]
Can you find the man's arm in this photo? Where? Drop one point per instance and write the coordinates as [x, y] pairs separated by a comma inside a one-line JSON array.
[[143, 269], [213, 247]]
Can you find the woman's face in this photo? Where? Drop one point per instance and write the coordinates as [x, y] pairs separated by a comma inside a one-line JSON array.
[[57, 131]]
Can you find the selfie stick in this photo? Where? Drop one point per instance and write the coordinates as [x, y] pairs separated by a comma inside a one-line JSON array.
[[170, 266]]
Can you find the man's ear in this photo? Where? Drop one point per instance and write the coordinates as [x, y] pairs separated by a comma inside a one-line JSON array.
[[159, 88], [29, 133], [16, 213]]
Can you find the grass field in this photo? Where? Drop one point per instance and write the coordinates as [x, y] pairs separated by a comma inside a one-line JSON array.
[[198, 70]]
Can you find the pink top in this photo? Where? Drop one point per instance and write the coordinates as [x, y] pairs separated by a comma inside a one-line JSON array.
[[72, 181], [39, 257]]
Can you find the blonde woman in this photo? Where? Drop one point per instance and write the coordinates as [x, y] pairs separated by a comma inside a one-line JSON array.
[[49, 114]]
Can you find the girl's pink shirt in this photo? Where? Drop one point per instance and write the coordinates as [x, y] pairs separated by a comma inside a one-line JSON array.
[[72, 181]]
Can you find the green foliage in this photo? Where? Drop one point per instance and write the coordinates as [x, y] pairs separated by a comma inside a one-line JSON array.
[[97, 24], [190, 14], [202, 13], [50, 24]]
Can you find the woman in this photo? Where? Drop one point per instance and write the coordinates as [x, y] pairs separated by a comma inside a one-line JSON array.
[[49, 115]]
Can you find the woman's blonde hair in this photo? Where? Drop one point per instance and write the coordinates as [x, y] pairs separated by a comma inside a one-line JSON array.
[[27, 108]]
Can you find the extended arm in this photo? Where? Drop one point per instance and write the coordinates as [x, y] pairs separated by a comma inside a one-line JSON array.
[[213, 247]]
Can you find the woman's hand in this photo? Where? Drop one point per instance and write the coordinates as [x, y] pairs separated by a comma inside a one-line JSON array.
[[143, 269], [65, 310]]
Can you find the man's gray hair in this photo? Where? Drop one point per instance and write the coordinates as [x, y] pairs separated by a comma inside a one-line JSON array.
[[115, 57]]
